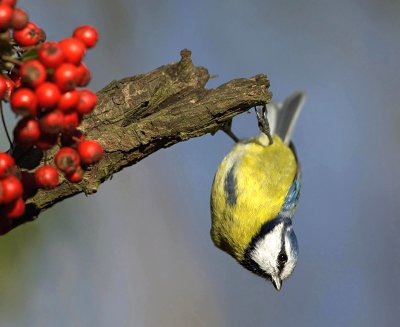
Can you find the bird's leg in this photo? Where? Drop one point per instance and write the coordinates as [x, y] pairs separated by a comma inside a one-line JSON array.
[[263, 123], [227, 128]]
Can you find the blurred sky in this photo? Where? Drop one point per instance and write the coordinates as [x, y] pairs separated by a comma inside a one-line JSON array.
[[138, 253]]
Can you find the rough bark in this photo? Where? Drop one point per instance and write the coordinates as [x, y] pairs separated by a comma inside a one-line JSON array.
[[139, 115]]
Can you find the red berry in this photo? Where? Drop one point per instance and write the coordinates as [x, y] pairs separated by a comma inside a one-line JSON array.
[[67, 160], [27, 132], [19, 19], [28, 36], [87, 34], [52, 122], [12, 189], [47, 177], [84, 75], [11, 3], [90, 152], [6, 13], [71, 121], [87, 102], [33, 73], [46, 141], [65, 77], [23, 102], [48, 94], [69, 100], [76, 176], [74, 50], [3, 87], [14, 209], [72, 138], [6, 164], [50, 54]]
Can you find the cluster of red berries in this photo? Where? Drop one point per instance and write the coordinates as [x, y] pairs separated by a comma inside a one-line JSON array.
[[40, 81], [12, 17], [11, 202]]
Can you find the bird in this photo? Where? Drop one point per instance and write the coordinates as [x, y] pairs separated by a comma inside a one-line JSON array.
[[255, 194]]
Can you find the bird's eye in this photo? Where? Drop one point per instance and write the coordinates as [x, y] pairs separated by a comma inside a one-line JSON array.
[[282, 258]]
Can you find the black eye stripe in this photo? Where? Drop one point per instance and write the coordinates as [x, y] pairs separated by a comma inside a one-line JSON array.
[[282, 259], [282, 256]]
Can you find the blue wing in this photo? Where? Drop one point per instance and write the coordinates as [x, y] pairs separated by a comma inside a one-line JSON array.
[[292, 197]]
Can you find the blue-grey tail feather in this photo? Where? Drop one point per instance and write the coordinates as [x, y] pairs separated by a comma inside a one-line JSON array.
[[287, 114]]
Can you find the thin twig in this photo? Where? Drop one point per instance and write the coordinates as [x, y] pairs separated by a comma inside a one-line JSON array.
[[12, 60]]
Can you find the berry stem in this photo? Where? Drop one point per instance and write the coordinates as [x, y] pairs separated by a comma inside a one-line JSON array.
[[12, 60], [5, 126], [76, 139]]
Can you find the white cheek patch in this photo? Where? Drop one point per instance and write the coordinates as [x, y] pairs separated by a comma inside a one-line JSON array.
[[267, 250]]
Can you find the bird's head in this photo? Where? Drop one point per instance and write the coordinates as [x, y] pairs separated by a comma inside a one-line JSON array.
[[273, 252]]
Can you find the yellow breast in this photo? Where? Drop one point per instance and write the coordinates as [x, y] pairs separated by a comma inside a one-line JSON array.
[[249, 189]]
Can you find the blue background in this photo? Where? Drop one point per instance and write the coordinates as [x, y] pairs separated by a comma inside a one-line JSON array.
[[138, 253]]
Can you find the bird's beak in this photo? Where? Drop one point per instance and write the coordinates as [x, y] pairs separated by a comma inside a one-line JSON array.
[[277, 283]]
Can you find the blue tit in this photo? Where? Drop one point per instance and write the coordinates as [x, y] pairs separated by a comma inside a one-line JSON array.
[[255, 194]]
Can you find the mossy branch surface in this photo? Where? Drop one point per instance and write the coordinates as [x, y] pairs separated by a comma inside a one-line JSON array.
[[139, 115]]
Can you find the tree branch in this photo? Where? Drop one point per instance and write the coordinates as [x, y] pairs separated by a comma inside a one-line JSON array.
[[139, 115]]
